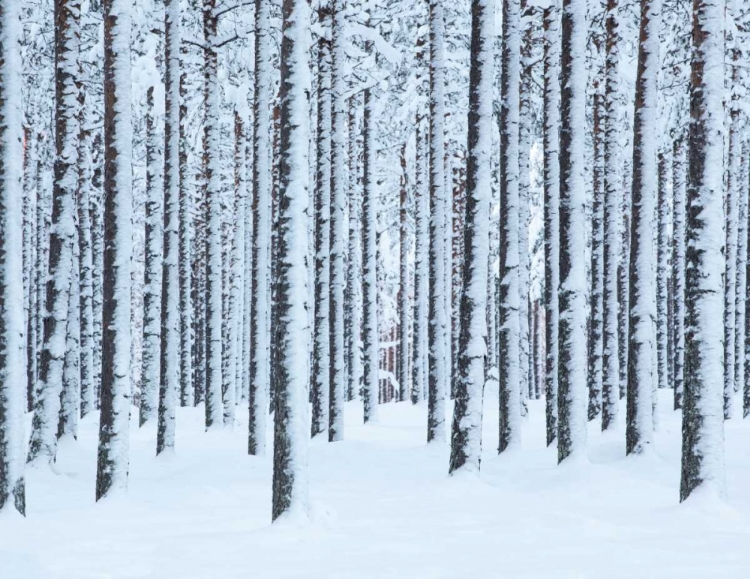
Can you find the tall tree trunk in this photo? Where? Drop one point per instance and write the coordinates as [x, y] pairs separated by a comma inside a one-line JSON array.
[[571, 434], [466, 432], [741, 293], [290, 444], [678, 266], [403, 292], [421, 258], [702, 424], [551, 210], [662, 277], [12, 355], [112, 463], [509, 370]]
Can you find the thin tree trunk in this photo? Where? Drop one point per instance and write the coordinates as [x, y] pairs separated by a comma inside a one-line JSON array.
[[403, 295], [662, 277], [678, 266]]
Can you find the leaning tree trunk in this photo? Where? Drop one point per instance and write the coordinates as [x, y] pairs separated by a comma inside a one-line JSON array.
[[43, 443], [466, 432], [290, 443], [112, 463], [551, 210], [641, 338], [509, 365], [702, 418], [572, 395], [12, 347]]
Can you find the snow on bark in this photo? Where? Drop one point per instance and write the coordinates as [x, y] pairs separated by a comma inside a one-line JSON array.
[[402, 365], [509, 324], [466, 435], [43, 443], [321, 364], [678, 266], [338, 225], [187, 304], [290, 487], [439, 356], [572, 396], [12, 346], [421, 264], [741, 293], [370, 331], [662, 277], [260, 335], [703, 425], [112, 462], [70, 397], [551, 208]]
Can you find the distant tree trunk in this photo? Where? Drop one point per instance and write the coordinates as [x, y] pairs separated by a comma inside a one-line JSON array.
[[260, 333], [551, 210], [571, 434], [421, 259], [97, 250], [612, 218], [439, 361], [321, 360], [29, 262], [12, 346], [702, 424], [662, 276], [741, 293], [290, 444], [466, 432], [641, 338], [678, 266], [152, 269], [403, 295], [509, 366], [370, 335], [43, 443], [112, 463]]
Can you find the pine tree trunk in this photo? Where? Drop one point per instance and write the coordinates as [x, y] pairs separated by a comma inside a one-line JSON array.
[[509, 370], [12, 347], [403, 295], [70, 397], [741, 290], [702, 422], [421, 250], [290, 444], [112, 462], [466, 432], [678, 266], [551, 211], [662, 277]]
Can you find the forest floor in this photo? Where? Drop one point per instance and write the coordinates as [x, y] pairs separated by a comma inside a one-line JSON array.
[[382, 506]]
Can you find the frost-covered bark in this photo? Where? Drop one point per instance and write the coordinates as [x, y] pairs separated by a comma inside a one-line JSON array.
[[212, 134], [439, 355], [421, 264], [112, 462], [43, 443], [290, 444], [70, 397], [641, 338], [187, 385], [152, 268], [321, 360], [612, 218], [370, 331], [509, 370], [679, 171], [572, 298], [741, 293], [551, 209], [12, 346], [702, 422], [338, 225], [97, 251], [466, 433], [168, 273], [260, 334], [403, 290], [662, 277]]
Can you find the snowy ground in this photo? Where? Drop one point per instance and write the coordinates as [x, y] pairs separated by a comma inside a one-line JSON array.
[[383, 506]]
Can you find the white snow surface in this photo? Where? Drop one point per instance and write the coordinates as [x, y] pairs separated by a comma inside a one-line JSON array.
[[384, 506]]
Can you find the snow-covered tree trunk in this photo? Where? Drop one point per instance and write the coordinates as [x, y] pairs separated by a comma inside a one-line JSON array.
[[70, 397], [370, 331], [29, 263], [260, 333], [551, 209], [641, 338], [439, 361], [612, 218], [403, 291], [97, 251], [679, 171], [152, 269], [112, 462], [247, 279], [321, 360], [12, 346], [338, 225], [741, 293], [290, 444], [572, 396], [466, 433], [662, 276], [169, 272], [43, 443], [421, 264], [509, 365], [703, 426], [212, 135]]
